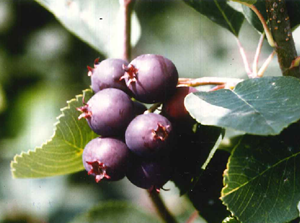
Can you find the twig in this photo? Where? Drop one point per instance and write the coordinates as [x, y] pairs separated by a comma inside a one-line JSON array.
[[228, 82], [257, 54], [162, 210], [279, 22], [265, 65], [245, 60], [126, 7]]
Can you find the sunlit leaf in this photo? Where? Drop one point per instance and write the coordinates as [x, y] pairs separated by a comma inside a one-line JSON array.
[[263, 106], [61, 154]]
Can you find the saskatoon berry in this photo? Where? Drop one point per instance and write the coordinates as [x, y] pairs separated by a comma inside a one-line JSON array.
[[108, 112], [107, 75], [174, 107], [151, 78], [149, 135], [106, 158], [147, 174]]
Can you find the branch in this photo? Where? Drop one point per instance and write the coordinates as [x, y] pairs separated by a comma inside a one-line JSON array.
[[162, 210], [281, 31], [126, 7]]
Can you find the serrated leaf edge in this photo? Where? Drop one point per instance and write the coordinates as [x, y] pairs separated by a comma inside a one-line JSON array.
[[14, 161]]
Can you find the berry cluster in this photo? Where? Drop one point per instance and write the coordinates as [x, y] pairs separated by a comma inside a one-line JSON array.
[[133, 142]]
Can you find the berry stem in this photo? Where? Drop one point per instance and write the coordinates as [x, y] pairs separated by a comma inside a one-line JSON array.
[[245, 60], [195, 82], [257, 54], [152, 108], [126, 7], [162, 210]]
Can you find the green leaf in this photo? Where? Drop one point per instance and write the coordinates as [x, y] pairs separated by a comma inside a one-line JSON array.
[[61, 154], [250, 2], [263, 106], [115, 212], [219, 12], [252, 17], [98, 23], [262, 181]]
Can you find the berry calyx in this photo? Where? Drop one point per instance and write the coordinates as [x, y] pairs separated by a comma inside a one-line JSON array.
[[98, 169], [130, 74]]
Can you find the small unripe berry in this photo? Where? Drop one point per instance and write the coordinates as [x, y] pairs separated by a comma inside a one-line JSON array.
[[174, 107]]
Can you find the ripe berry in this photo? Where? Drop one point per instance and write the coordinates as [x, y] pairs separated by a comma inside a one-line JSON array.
[[106, 158], [151, 78], [150, 175], [149, 135], [107, 75], [108, 112], [174, 107]]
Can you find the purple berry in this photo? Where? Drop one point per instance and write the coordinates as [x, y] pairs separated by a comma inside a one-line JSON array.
[[149, 135], [107, 74], [108, 112], [151, 78], [106, 158], [150, 175]]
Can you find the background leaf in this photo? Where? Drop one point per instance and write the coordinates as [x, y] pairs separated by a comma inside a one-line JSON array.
[[219, 12], [263, 106], [262, 181], [98, 23], [62, 154], [252, 17], [115, 212]]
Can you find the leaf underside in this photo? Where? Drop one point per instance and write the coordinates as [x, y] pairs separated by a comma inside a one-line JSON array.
[[263, 106], [219, 12], [98, 23], [262, 181], [61, 154]]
